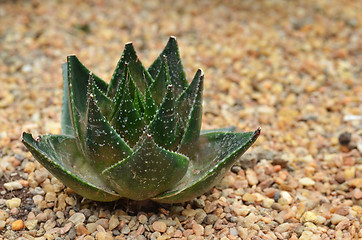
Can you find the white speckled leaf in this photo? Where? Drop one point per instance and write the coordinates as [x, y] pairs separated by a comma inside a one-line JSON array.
[[151, 170]]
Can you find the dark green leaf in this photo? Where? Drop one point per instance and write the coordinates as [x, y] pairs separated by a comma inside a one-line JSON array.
[[66, 122], [127, 121], [163, 126], [60, 155], [190, 114], [149, 171], [78, 80], [117, 99], [139, 74], [216, 153], [158, 88], [193, 126], [103, 146], [176, 71], [150, 107]]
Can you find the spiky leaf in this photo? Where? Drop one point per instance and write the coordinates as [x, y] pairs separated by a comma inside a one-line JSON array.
[[216, 153], [151, 170], [60, 155], [176, 71]]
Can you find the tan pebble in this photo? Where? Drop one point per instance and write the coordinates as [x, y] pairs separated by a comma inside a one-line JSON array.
[[357, 209], [3, 215], [50, 224], [104, 236], [286, 196], [92, 238], [38, 199], [342, 224], [159, 226], [142, 218], [336, 218], [2, 224], [29, 167], [103, 222], [357, 183], [251, 177], [10, 186], [31, 224], [13, 203], [40, 176], [177, 234], [188, 232], [210, 207], [350, 173], [50, 197], [77, 218], [48, 188], [92, 227], [306, 235], [342, 210], [310, 216], [42, 217], [17, 225], [247, 197], [113, 222], [357, 194], [189, 212], [70, 201], [81, 229], [306, 181], [198, 229]]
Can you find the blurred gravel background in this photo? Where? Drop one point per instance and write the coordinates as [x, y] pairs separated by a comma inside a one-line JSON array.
[[291, 67]]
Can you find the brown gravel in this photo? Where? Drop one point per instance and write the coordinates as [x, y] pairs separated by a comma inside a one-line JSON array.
[[292, 67]]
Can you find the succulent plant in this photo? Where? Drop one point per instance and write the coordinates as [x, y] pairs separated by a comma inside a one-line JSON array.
[[139, 136]]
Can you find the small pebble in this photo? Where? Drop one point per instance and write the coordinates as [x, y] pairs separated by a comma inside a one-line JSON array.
[[2, 224], [251, 177], [10, 186], [306, 181], [159, 226], [77, 218], [336, 218], [13, 203], [113, 222], [17, 225], [104, 236], [31, 224]]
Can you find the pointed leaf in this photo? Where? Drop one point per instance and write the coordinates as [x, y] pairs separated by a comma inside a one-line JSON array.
[[158, 88], [66, 122], [139, 74], [185, 103], [127, 121], [117, 99], [228, 129], [78, 77], [150, 108], [162, 128], [193, 127], [177, 74], [117, 77], [149, 171], [103, 101], [60, 155], [103, 146], [217, 152]]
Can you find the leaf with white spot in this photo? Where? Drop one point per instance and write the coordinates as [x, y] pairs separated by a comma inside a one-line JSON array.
[[149, 171], [162, 127]]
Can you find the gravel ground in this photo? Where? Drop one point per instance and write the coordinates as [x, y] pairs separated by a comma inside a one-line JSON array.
[[292, 67]]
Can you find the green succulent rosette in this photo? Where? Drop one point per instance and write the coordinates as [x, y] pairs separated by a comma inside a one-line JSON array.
[[138, 137]]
